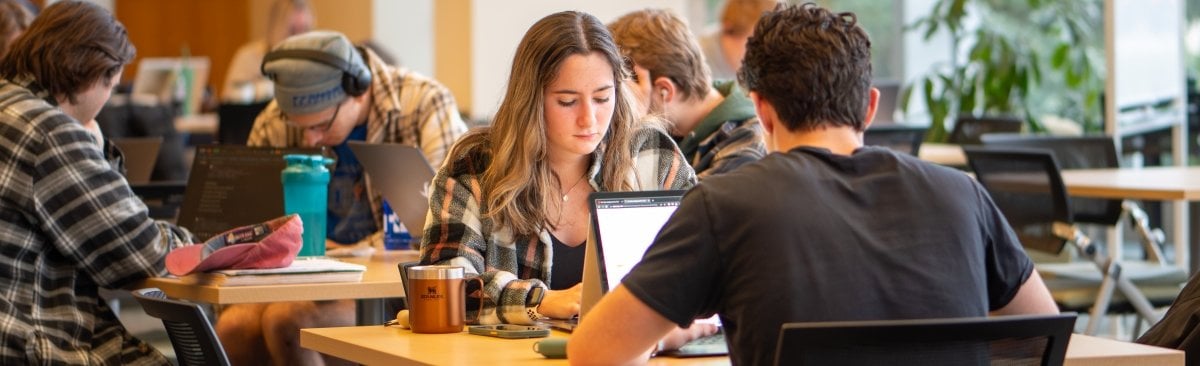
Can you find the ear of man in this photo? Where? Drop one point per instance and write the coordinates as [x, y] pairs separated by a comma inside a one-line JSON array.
[[666, 89]]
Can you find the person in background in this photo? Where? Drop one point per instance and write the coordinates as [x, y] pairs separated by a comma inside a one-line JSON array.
[[14, 19], [831, 231], [69, 224], [326, 103], [724, 48], [510, 204], [713, 122], [244, 81]]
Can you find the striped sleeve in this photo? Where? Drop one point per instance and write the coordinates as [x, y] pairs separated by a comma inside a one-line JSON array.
[[90, 209]]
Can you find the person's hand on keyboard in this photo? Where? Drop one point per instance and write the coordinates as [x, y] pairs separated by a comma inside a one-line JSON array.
[[562, 304], [680, 336]]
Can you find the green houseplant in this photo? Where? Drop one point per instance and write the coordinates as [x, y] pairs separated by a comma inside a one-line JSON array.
[[1022, 58]]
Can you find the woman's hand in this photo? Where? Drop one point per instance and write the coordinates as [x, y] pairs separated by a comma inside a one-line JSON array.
[[561, 304], [680, 336]]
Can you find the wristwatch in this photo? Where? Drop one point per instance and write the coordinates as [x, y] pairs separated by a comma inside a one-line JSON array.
[[534, 297], [532, 300]]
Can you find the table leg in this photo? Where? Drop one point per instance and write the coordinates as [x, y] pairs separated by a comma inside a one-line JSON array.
[[370, 311]]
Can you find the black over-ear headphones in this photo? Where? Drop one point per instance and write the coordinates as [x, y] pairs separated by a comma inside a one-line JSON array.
[[356, 80]]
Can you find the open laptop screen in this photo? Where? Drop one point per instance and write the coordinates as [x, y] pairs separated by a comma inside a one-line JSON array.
[[626, 223], [231, 186]]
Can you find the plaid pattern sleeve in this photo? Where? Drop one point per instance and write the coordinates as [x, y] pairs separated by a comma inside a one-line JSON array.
[[69, 226], [734, 144], [658, 164], [456, 233]]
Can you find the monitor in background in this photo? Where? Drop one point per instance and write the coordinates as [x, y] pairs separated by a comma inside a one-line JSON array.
[[889, 96], [402, 175], [158, 79], [140, 155], [231, 186]]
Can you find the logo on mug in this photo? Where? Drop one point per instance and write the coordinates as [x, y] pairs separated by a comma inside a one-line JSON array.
[[431, 293]]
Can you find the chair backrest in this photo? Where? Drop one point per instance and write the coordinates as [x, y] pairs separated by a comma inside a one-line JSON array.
[[191, 333], [905, 139], [969, 130], [1025, 184], [1074, 152], [1009, 340], [234, 121]]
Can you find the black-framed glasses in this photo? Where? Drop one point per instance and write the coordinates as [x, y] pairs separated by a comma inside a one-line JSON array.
[[320, 127]]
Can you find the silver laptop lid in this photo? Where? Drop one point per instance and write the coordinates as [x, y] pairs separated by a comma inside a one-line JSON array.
[[402, 175]]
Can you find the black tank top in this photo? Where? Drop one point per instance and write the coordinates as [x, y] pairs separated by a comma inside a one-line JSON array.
[[567, 267]]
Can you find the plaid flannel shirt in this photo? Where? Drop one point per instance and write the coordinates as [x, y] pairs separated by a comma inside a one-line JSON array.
[[408, 108], [734, 144], [456, 233], [69, 225]]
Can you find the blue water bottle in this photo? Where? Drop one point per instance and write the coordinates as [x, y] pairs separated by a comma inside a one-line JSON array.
[[305, 192], [395, 235]]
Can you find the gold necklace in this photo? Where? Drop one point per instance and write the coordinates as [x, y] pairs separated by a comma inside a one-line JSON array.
[[564, 196]]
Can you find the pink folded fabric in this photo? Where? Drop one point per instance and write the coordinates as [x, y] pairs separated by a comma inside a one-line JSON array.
[[272, 244]]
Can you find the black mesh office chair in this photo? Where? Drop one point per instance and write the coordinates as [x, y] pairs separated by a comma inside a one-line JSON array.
[[969, 130], [905, 139], [1090, 152], [1027, 187], [1008, 340], [234, 121], [191, 333]]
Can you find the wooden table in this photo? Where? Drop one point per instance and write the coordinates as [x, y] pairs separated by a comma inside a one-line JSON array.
[[943, 154], [377, 345], [380, 281], [1178, 184], [1156, 183]]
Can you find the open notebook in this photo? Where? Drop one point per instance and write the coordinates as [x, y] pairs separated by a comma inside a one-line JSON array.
[[300, 271]]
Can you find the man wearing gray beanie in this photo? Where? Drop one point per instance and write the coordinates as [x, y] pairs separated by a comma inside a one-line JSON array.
[[327, 92]]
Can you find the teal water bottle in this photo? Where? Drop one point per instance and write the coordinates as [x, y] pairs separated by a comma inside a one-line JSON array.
[[305, 191]]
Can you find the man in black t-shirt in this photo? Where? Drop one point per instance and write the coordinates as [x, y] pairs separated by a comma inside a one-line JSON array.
[[823, 229]]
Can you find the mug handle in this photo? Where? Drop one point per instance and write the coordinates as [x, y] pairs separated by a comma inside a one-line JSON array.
[[481, 297]]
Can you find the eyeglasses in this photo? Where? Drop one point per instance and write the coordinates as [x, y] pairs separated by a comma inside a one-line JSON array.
[[320, 127]]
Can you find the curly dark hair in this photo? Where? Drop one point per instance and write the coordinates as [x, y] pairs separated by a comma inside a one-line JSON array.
[[68, 48], [812, 65]]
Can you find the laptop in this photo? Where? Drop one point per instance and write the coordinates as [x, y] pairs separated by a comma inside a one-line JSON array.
[[889, 98], [158, 80], [624, 224], [231, 186], [402, 176], [140, 155]]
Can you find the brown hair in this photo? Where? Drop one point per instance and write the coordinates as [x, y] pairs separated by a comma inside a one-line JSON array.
[[739, 16], [661, 42], [68, 48], [517, 184], [14, 19], [812, 65]]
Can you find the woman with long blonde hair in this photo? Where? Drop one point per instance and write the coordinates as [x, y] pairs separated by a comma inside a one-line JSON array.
[[510, 203]]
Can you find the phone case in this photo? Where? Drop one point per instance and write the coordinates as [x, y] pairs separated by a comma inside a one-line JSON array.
[[509, 331]]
